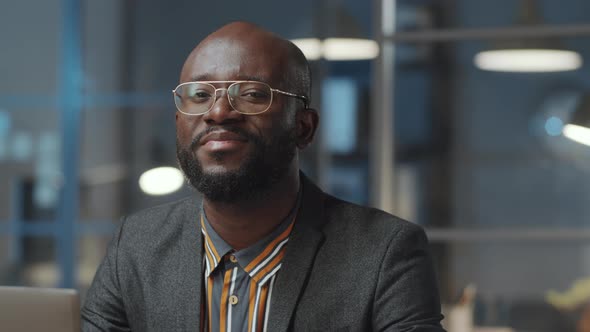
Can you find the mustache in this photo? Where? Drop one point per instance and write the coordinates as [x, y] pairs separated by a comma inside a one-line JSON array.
[[233, 129]]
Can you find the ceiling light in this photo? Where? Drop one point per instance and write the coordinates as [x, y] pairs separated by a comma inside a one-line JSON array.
[[349, 49], [338, 49], [528, 60], [161, 181], [533, 55], [578, 127], [342, 38], [577, 133]]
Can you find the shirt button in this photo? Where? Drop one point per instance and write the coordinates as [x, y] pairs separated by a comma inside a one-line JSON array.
[[233, 300], [233, 259]]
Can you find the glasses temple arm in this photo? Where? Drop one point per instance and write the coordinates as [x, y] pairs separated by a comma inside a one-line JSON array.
[[304, 98]]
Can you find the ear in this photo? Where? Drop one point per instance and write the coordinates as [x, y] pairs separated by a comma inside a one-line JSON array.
[[307, 124]]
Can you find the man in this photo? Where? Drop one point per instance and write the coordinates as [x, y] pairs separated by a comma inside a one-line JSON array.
[[265, 249]]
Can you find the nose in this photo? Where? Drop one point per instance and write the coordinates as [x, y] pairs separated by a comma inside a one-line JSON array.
[[222, 111]]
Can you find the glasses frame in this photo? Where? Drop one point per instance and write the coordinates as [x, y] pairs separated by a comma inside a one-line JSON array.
[[210, 83]]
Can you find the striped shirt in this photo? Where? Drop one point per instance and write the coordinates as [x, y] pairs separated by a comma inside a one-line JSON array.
[[238, 284]]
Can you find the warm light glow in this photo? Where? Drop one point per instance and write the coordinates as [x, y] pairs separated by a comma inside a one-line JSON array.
[[528, 60], [338, 49], [577, 133], [161, 180], [350, 49], [311, 47]]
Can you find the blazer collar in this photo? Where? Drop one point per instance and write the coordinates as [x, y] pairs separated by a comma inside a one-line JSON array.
[[304, 242], [190, 280]]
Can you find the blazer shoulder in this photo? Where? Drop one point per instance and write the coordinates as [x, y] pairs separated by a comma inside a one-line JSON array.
[[367, 224], [156, 217], [337, 217], [351, 212]]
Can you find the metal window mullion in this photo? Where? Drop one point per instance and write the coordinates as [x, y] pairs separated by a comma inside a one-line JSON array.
[[381, 149], [518, 235], [70, 101], [513, 32]]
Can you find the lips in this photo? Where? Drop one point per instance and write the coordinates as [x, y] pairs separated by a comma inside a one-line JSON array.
[[222, 136], [222, 141]]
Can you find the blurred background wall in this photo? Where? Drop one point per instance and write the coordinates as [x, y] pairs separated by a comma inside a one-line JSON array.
[[423, 127]]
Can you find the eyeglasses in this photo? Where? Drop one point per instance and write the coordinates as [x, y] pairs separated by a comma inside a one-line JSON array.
[[246, 97]]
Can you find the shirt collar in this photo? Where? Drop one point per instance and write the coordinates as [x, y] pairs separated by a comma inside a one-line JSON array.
[[260, 260]]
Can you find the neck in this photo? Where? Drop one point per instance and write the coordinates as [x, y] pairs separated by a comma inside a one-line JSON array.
[[241, 224]]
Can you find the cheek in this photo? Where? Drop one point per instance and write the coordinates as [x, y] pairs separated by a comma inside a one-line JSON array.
[[276, 121], [273, 128], [288, 124], [185, 128]]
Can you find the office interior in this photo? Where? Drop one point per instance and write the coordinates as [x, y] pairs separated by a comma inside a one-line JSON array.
[[467, 117]]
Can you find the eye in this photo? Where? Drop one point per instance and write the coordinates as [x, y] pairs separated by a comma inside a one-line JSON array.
[[254, 94], [201, 94], [199, 97]]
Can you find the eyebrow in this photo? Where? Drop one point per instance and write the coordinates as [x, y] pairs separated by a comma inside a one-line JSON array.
[[207, 77]]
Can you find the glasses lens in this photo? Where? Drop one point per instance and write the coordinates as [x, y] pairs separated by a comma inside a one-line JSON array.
[[194, 98], [250, 97]]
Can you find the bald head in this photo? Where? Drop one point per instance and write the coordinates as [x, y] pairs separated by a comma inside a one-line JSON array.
[[287, 61]]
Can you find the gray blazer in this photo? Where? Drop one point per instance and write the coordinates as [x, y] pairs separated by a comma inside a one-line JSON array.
[[346, 268]]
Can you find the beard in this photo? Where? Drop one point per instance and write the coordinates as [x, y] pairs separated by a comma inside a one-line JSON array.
[[265, 166]]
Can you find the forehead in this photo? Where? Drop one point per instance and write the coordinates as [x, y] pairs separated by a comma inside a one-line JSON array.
[[221, 59]]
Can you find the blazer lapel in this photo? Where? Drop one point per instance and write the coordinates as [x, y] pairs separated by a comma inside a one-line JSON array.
[[304, 241], [190, 282]]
